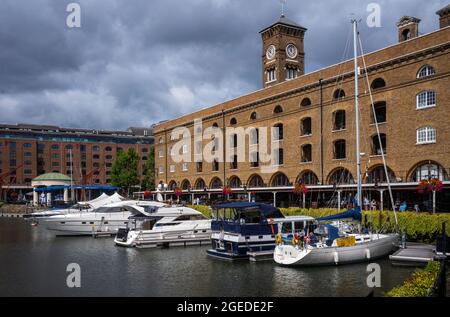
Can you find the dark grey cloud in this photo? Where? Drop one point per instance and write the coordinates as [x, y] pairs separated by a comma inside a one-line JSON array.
[[138, 62]]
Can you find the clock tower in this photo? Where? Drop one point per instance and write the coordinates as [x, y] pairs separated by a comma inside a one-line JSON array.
[[283, 55]]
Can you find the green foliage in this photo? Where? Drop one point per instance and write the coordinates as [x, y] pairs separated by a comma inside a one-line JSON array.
[[148, 182], [124, 173], [205, 210], [419, 284], [420, 227]]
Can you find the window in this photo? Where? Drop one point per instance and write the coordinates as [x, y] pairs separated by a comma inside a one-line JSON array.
[[27, 145], [339, 150], [380, 112], [278, 157], [254, 136], [200, 184], [161, 170], [291, 72], [27, 163], [271, 75], [376, 147], [233, 140], [27, 154], [235, 182], [339, 94], [199, 167], [425, 71], [144, 158], [306, 153], [306, 102], [161, 141], [144, 150], [27, 171], [96, 157], [305, 127], [378, 83], [253, 116], [234, 163], [308, 178], [426, 135], [216, 183], [215, 165], [426, 99], [278, 109], [277, 132], [69, 147], [341, 176], [254, 159], [96, 165], [160, 153], [429, 171], [95, 148], [406, 35], [109, 157], [339, 120], [55, 147], [55, 164], [184, 167], [108, 149], [280, 180], [233, 121], [256, 181], [82, 147], [198, 147], [12, 163]]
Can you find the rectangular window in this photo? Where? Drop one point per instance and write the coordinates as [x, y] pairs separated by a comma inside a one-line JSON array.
[[160, 153], [172, 168], [426, 99], [161, 170], [426, 135], [185, 167]]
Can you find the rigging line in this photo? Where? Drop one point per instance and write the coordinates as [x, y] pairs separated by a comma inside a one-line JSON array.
[[378, 132], [338, 82]]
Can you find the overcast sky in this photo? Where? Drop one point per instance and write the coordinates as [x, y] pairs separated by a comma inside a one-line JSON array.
[[137, 62]]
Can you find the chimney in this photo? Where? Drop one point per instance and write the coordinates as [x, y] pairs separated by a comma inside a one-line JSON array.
[[444, 16], [408, 28]]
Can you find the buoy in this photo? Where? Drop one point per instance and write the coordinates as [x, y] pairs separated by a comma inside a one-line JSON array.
[[336, 257], [368, 254]]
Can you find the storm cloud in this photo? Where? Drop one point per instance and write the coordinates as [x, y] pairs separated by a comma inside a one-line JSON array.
[[134, 63]]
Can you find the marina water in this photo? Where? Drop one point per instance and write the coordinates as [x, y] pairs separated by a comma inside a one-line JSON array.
[[33, 263]]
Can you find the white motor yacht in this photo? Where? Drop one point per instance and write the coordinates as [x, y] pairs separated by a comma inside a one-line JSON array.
[[106, 219], [165, 226]]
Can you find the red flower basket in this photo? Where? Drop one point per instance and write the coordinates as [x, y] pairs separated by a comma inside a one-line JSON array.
[[147, 194], [226, 190], [426, 186], [300, 189], [178, 192]]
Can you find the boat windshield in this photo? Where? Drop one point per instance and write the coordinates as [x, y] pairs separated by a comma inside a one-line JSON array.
[[242, 215]]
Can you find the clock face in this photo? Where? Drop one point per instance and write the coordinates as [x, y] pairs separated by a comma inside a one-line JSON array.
[[270, 53], [291, 51]]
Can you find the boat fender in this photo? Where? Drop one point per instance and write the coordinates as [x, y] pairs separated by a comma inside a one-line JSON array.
[[278, 239], [336, 257], [368, 254]]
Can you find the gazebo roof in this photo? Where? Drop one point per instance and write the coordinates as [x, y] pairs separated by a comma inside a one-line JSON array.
[[52, 177]]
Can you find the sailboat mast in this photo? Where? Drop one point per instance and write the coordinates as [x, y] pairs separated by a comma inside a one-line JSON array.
[[358, 150]]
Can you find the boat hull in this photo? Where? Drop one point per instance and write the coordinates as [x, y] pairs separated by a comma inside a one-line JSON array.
[[365, 251]]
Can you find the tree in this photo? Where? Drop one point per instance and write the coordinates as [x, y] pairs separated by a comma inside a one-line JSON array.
[[124, 173], [149, 171]]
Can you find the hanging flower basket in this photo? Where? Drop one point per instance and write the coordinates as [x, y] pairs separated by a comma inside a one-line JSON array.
[[426, 185], [178, 192], [147, 194], [226, 190], [300, 189]]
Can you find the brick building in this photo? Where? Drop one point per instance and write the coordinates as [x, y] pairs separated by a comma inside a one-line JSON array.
[[27, 151], [315, 119]]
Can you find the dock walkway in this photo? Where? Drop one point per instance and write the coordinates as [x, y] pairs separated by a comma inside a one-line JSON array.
[[415, 254]]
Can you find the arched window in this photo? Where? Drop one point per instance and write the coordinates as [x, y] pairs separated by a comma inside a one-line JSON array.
[[278, 109], [235, 182], [338, 94], [341, 176], [277, 132], [308, 178], [426, 135], [306, 102], [215, 125], [425, 71], [378, 175], [253, 116], [429, 170], [406, 34], [306, 127], [378, 83], [380, 112], [279, 180], [291, 72], [216, 183], [185, 184], [339, 120], [376, 146], [233, 121], [172, 185], [426, 99], [306, 152], [339, 150], [255, 181], [200, 184]]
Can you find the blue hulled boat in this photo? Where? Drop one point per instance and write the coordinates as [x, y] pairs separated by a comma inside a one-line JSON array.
[[239, 227]]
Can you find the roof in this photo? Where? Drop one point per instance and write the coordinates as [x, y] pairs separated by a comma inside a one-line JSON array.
[[444, 10], [284, 21], [52, 177], [407, 19]]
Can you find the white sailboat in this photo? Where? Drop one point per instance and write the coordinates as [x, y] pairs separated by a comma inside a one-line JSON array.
[[312, 243]]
